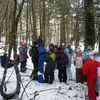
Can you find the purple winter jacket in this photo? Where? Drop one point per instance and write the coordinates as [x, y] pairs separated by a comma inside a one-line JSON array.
[[23, 54]]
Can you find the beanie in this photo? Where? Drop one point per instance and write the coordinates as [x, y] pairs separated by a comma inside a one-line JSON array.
[[86, 57]]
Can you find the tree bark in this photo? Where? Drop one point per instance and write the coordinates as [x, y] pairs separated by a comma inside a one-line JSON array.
[[12, 45], [89, 24]]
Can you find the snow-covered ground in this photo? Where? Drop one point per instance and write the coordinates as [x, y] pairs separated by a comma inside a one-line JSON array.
[[44, 91]]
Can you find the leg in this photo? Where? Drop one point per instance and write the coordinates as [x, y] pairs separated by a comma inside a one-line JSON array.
[[34, 73], [46, 78], [78, 75], [91, 89], [69, 73], [23, 66], [97, 88], [60, 74], [64, 74], [51, 77]]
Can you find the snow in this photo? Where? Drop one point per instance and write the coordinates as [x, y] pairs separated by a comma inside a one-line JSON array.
[[44, 91]]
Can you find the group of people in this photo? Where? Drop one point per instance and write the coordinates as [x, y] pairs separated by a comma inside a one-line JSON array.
[[46, 60], [61, 58], [54, 57], [87, 70]]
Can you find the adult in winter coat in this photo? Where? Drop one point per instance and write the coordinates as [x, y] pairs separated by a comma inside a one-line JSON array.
[[62, 61], [68, 68], [89, 69], [34, 53], [42, 55], [23, 56], [50, 66]]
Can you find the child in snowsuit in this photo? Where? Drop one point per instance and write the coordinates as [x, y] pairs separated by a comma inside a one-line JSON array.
[[62, 62], [78, 62], [50, 66], [89, 69]]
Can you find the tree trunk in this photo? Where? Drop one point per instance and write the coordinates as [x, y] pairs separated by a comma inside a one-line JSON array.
[[62, 23], [43, 23], [27, 21], [89, 24], [12, 45], [34, 28]]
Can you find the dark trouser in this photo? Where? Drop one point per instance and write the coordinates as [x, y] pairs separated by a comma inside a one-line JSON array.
[[23, 66], [34, 73], [79, 75], [49, 77], [62, 74]]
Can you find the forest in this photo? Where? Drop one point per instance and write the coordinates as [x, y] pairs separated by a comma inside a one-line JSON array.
[[58, 21]]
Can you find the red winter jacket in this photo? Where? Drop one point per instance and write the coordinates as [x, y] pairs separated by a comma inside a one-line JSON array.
[[89, 68]]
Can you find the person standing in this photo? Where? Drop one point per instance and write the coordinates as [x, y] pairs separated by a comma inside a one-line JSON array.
[[42, 56], [89, 69], [68, 68], [62, 61], [97, 58], [78, 62], [34, 53], [23, 56], [50, 66]]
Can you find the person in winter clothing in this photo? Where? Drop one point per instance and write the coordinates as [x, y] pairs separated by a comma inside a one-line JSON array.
[[4, 59], [89, 69], [34, 53], [68, 68], [39, 40], [23, 57], [62, 61], [50, 66], [42, 56], [97, 58], [78, 62]]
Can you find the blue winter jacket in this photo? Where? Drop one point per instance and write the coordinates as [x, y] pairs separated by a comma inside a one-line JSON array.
[[42, 55]]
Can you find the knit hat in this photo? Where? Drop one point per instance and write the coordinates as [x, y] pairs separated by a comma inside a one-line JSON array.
[[86, 57], [51, 47]]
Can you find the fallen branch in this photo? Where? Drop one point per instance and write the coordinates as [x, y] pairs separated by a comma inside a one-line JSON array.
[[36, 93], [25, 88]]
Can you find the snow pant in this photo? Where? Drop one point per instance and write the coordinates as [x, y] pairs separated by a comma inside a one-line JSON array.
[[97, 86], [62, 74], [69, 73], [34, 74], [23, 66], [49, 77], [91, 88], [79, 75], [41, 64]]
